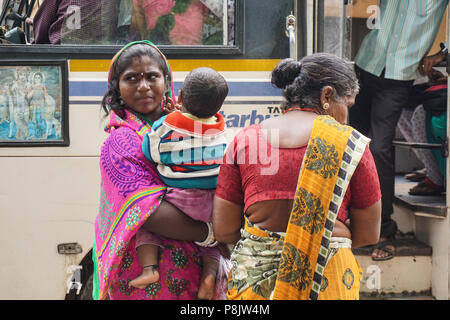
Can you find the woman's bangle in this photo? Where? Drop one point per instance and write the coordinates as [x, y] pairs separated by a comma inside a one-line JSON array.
[[210, 241]]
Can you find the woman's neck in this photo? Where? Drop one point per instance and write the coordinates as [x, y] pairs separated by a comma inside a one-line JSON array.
[[143, 117], [149, 117]]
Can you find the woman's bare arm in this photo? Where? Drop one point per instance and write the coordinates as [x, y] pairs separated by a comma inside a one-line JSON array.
[[365, 225], [169, 222], [227, 219]]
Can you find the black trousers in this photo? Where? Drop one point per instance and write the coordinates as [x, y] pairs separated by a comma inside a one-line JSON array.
[[375, 114]]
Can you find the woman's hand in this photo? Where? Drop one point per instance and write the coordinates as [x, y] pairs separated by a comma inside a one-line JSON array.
[[365, 225], [224, 250], [170, 106], [227, 220]]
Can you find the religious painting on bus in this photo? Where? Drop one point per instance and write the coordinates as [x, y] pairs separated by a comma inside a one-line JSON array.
[[33, 103]]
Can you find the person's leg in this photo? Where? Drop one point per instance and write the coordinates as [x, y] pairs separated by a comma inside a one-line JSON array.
[[386, 108], [148, 258], [147, 249], [359, 113], [420, 135], [210, 258], [406, 128]]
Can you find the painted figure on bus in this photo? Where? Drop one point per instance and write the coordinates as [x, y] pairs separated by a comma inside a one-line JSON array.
[[4, 101], [43, 107], [38, 96], [19, 108]]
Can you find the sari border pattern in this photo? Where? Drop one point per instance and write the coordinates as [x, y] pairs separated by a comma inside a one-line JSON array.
[[333, 153], [353, 153]]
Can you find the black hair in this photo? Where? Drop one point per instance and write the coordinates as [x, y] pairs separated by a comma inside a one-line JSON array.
[[111, 100], [302, 81], [38, 74], [204, 91]]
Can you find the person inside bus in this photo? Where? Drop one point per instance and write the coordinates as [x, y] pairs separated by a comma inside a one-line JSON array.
[[177, 22], [280, 220], [391, 56], [190, 176], [132, 193], [413, 126], [75, 22]]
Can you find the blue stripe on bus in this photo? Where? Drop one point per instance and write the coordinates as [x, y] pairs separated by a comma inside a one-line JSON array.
[[98, 88]]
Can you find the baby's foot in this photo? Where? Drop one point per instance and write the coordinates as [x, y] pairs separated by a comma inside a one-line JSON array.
[[148, 275], [206, 289]]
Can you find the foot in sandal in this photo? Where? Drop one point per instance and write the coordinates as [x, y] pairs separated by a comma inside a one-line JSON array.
[[383, 250]]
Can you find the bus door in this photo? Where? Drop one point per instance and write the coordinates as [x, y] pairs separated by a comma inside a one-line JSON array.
[[332, 27]]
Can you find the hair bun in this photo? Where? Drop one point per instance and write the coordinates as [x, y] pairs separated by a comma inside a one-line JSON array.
[[285, 73]]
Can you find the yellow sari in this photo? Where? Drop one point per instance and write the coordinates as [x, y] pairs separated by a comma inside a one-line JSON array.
[[305, 262]]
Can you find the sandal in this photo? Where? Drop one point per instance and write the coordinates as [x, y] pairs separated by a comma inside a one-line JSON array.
[[383, 246], [416, 176], [426, 188]]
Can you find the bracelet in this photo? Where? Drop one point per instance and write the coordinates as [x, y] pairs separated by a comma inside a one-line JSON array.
[[210, 241]]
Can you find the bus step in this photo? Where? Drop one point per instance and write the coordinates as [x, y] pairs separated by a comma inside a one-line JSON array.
[[431, 206], [406, 275]]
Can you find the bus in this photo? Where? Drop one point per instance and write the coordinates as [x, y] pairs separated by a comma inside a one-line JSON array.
[[49, 161]]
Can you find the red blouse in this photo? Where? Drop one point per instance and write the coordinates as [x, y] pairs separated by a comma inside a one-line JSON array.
[[254, 171]]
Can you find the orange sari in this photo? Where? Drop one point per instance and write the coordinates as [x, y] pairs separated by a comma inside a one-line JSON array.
[[306, 262]]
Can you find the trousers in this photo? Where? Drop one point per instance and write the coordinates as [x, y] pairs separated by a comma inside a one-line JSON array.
[[375, 114]]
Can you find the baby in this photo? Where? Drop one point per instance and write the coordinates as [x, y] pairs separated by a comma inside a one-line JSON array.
[[187, 147]]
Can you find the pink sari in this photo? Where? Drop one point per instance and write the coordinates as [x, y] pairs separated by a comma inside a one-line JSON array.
[[130, 192]]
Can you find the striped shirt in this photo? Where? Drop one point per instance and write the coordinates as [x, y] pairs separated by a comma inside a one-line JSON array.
[[187, 152], [407, 30]]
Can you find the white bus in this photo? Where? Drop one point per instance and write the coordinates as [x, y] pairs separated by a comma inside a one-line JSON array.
[[49, 186]]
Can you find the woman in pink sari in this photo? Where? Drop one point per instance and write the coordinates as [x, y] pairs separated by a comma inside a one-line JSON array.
[[139, 92]]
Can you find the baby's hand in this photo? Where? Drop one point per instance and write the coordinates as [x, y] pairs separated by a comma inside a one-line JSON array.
[[170, 106]]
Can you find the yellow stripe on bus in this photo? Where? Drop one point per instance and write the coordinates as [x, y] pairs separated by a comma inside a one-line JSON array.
[[185, 65]]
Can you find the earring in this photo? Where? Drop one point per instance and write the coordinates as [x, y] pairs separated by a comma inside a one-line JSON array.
[[325, 106]]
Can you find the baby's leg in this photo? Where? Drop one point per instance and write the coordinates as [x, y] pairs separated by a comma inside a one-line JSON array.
[[209, 273], [148, 258]]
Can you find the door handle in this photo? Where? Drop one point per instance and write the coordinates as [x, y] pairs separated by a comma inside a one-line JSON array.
[[290, 33]]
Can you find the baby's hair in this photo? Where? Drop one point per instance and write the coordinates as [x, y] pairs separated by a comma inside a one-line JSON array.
[[204, 91]]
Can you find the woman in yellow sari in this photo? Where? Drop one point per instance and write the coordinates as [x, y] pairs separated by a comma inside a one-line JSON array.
[[297, 192]]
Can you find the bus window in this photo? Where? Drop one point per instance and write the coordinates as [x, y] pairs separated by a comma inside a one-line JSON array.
[[115, 22], [333, 28]]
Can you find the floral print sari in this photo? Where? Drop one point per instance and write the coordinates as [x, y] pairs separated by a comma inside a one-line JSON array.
[[306, 262]]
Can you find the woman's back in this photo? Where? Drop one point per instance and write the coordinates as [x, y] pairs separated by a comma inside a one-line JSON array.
[[288, 136], [263, 171]]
